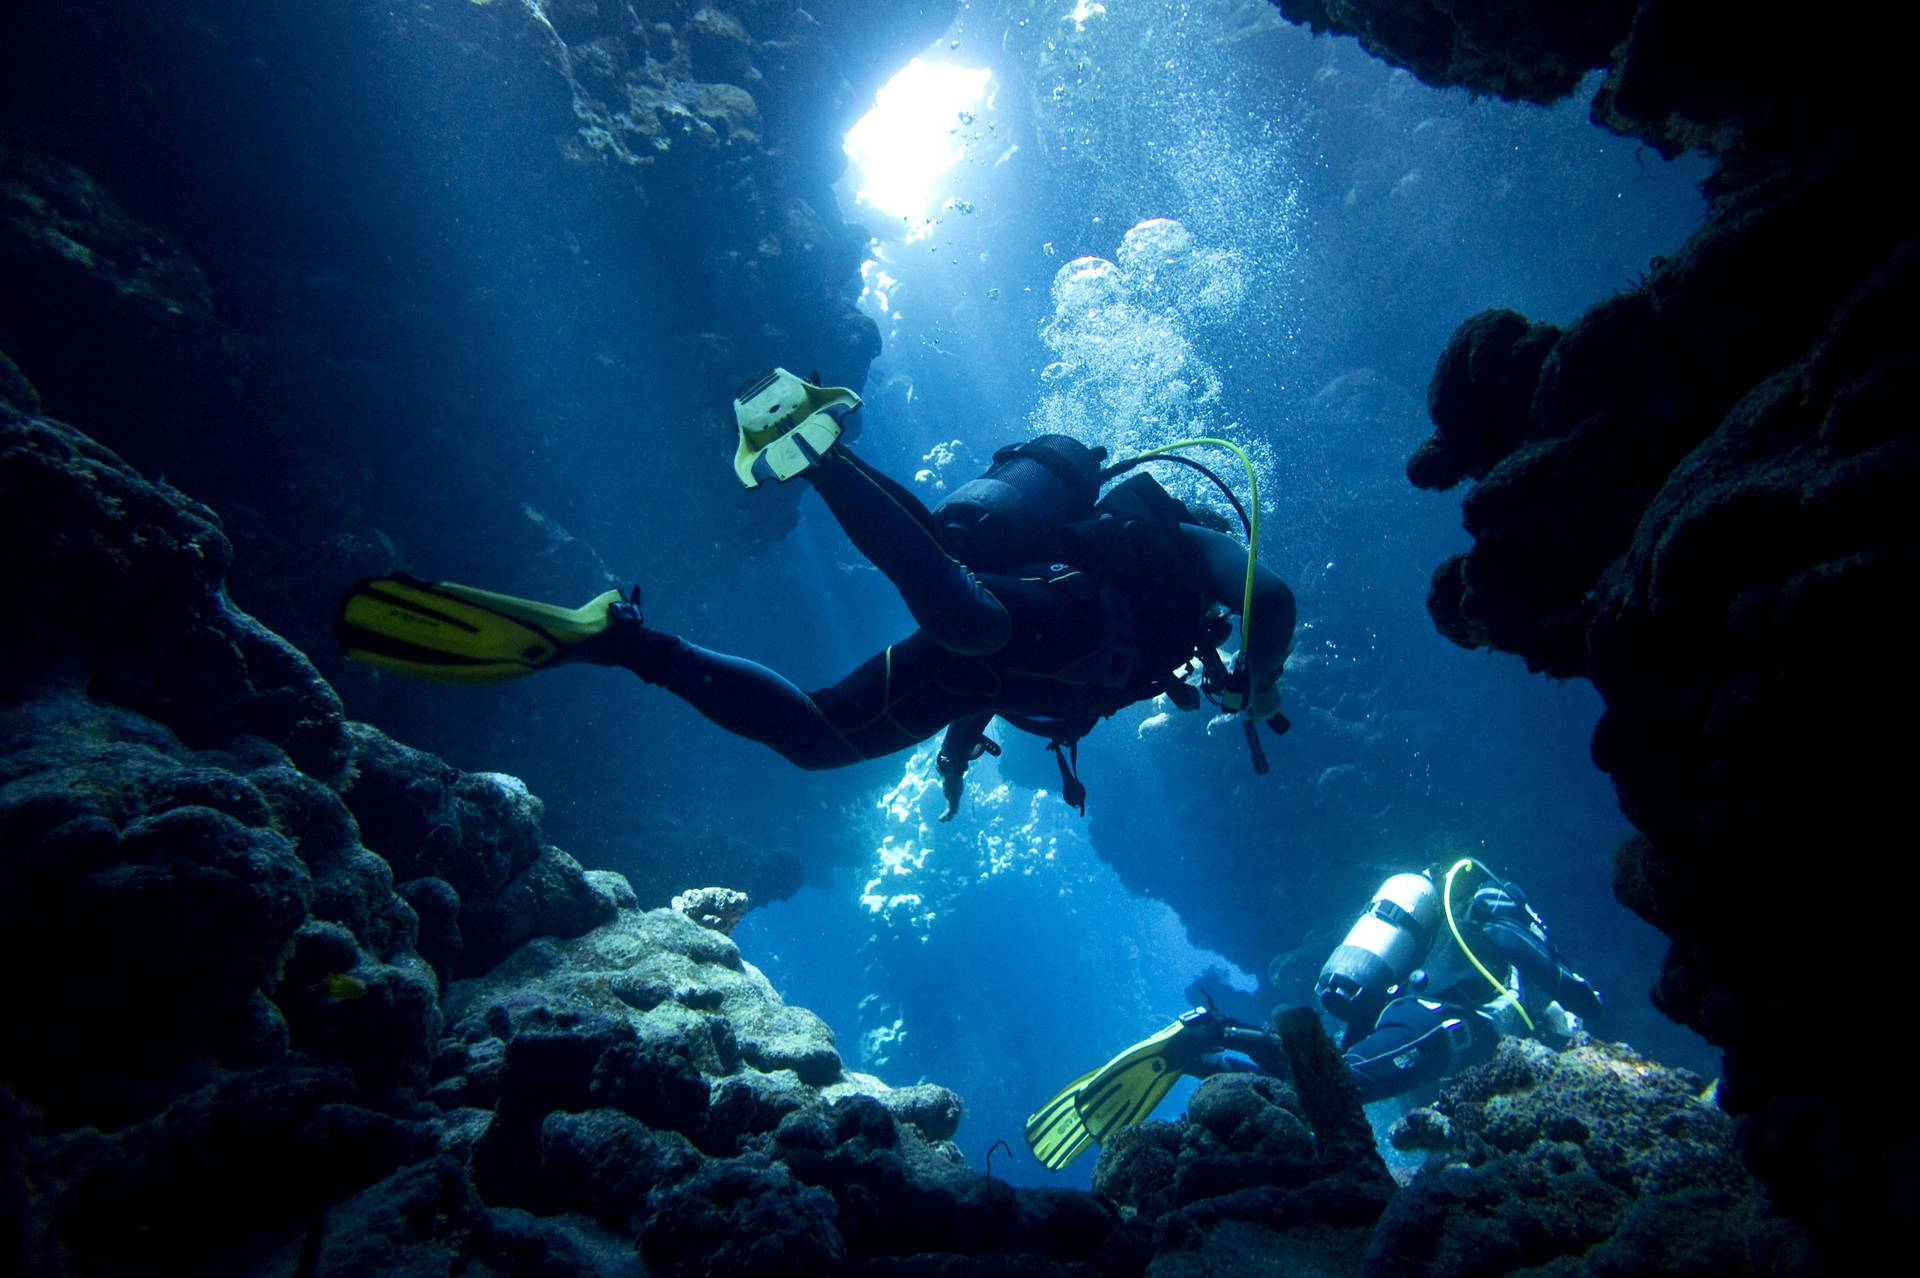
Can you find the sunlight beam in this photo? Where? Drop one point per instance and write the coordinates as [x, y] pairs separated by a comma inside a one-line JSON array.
[[909, 139]]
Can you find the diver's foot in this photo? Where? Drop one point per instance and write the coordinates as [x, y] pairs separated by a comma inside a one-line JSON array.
[[786, 425], [626, 642]]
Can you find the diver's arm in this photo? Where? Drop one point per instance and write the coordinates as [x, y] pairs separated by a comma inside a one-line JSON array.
[[1224, 562]]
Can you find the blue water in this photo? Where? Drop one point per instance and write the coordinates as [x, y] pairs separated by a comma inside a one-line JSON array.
[[1340, 219], [1335, 221]]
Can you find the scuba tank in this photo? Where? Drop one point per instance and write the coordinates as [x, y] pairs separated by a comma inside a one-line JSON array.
[[1383, 948], [1007, 516], [1040, 501]]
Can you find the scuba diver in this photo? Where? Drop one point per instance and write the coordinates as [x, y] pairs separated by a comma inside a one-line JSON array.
[[1402, 1030], [1038, 600]]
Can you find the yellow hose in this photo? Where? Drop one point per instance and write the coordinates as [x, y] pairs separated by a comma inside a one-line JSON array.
[[1446, 903], [1253, 527]]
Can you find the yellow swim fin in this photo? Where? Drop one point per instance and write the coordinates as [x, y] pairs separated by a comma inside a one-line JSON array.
[[1120, 1093], [1124, 1090], [458, 634], [1054, 1131], [786, 425]]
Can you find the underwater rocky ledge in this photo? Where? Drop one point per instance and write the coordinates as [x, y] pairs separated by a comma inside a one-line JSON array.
[[1696, 496], [293, 998], [1699, 497]]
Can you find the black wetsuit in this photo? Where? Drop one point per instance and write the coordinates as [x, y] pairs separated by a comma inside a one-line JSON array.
[[1419, 1039], [1018, 645]]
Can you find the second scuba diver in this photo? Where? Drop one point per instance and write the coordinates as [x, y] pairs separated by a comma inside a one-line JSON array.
[[1037, 600], [1402, 1029]]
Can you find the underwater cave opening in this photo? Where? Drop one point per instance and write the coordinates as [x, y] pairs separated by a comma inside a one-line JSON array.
[[918, 129]]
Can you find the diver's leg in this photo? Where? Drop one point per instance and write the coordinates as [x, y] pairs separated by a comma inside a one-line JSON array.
[[905, 694], [742, 696], [748, 700], [894, 530], [896, 699]]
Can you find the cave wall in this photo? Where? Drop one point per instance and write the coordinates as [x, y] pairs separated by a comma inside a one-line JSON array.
[[485, 244], [395, 207], [1694, 496], [443, 287], [1691, 496]]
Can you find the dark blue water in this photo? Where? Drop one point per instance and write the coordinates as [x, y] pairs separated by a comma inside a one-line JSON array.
[[1336, 221]]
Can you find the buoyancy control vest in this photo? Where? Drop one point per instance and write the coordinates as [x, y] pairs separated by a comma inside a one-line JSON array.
[[1153, 611], [1133, 546], [1039, 508], [1150, 593], [1040, 501]]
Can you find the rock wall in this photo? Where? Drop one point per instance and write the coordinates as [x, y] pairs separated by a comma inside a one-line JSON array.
[[444, 286], [244, 1046], [1515, 49], [359, 183], [437, 285], [1592, 1157], [1694, 497]]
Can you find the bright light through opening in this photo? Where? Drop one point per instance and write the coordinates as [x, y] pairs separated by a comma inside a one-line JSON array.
[[909, 139]]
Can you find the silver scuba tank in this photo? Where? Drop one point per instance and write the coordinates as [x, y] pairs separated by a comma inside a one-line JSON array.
[[1383, 948]]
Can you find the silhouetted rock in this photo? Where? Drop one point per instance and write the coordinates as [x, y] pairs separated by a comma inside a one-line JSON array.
[[1260, 1166], [1512, 48], [1695, 496], [125, 580], [266, 1147], [742, 1217]]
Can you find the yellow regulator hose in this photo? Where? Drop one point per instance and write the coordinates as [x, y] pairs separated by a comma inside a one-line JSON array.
[[1446, 904], [1253, 523]]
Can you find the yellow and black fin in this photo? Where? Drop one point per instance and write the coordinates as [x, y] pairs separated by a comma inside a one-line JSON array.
[[1054, 1131], [1124, 1090], [1119, 1094], [459, 634]]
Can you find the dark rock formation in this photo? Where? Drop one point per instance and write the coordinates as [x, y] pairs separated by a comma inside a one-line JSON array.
[[152, 631], [745, 1217], [588, 132], [296, 262], [427, 1219], [218, 977], [1694, 497], [1593, 1156], [1280, 1166], [468, 847], [1513, 48], [232, 1053]]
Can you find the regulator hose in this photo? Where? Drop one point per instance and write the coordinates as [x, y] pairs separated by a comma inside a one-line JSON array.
[[1251, 524], [1446, 895]]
